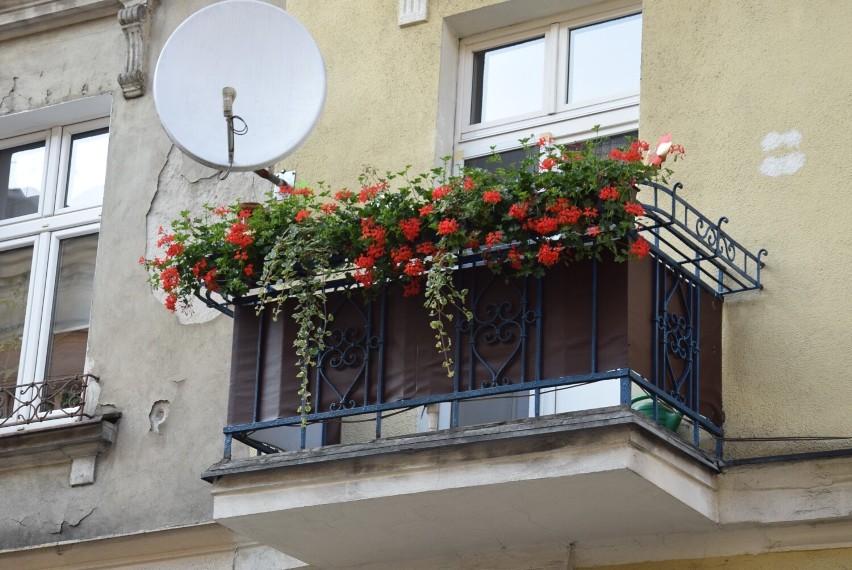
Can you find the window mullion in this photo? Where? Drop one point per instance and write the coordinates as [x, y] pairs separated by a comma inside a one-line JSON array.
[[561, 71], [32, 322], [51, 177], [551, 62], [49, 278]]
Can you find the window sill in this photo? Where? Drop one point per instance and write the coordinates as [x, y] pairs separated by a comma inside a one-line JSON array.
[[79, 442]]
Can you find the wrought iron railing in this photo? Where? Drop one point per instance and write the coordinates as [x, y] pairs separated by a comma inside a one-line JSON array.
[[42, 401], [692, 241], [637, 328]]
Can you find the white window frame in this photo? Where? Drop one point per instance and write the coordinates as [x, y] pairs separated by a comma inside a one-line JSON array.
[[45, 231], [563, 121]]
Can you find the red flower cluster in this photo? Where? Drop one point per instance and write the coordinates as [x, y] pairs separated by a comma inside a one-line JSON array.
[[410, 228], [401, 254], [515, 258], [441, 192], [447, 227], [491, 196], [426, 210], [302, 215], [632, 154], [608, 193], [468, 183], [343, 195], [329, 208], [640, 248], [566, 214], [415, 268], [548, 163], [199, 267], [370, 192], [240, 235], [544, 225], [634, 208], [493, 239], [169, 278], [518, 211], [548, 254], [375, 235]]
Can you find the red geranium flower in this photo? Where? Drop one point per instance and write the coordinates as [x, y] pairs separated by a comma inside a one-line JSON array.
[[640, 248], [447, 227], [491, 196], [548, 163]]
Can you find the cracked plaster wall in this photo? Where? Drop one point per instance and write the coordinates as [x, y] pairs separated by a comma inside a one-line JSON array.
[[147, 480]]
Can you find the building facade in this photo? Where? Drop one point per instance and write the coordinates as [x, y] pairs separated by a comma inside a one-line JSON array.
[[112, 409]]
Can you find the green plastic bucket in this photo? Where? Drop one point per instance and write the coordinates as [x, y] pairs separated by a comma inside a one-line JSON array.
[[666, 416]]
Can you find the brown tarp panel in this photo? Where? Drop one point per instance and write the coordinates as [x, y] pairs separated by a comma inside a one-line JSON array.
[[409, 365]]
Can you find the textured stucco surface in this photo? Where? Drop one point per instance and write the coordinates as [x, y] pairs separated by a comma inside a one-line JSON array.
[[722, 76]]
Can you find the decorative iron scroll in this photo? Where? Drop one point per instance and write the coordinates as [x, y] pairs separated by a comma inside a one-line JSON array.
[[696, 244], [46, 400]]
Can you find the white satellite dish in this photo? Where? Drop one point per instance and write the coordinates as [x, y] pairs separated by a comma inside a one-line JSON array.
[[266, 57]]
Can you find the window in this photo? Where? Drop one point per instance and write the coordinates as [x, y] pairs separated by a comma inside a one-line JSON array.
[[562, 76], [51, 189]]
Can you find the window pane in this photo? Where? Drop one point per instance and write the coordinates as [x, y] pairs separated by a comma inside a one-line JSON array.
[[604, 59], [508, 81], [21, 180], [70, 326], [15, 266], [87, 169]]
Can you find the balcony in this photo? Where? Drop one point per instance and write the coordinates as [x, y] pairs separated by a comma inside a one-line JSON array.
[[537, 415]]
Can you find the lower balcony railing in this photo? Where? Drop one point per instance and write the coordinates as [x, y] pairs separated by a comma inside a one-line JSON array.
[[37, 402]]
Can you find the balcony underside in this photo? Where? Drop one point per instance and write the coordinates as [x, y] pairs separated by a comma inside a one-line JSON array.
[[538, 484]]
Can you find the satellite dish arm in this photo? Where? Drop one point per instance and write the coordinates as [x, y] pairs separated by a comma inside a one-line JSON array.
[[267, 175]]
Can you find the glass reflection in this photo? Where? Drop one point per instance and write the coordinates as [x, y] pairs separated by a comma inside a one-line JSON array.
[[508, 81], [73, 299], [87, 169], [604, 59], [21, 180], [15, 267]]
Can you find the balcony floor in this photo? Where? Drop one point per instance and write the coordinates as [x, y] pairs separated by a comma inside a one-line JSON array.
[[529, 484]]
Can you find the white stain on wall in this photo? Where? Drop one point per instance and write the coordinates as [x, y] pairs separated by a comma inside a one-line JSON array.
[[789, 159]]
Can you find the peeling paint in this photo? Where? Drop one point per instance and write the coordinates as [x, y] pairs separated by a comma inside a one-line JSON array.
[[158, 415], [183, 184]]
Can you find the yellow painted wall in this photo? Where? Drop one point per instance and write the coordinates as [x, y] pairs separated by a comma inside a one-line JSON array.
[[722, 76], [835, 559], [381, 107]]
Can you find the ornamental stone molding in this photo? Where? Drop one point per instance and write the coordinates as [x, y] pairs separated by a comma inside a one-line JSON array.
[[24, 17], [133, 18]]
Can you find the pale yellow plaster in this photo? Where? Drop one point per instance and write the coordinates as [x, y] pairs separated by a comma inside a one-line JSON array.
[[722, 76], [383, 82]]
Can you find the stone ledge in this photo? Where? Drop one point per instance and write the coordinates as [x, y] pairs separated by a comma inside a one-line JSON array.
[[555, 426], [24, 17], [78, 442]]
